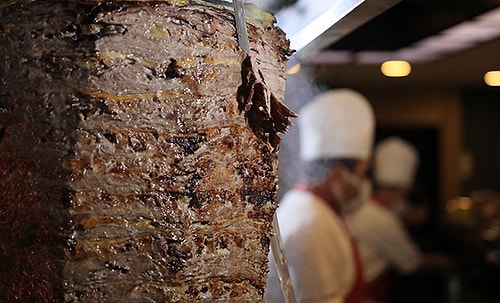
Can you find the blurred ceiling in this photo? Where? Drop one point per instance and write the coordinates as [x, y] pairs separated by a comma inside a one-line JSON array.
[[410, 21], [408, 29]]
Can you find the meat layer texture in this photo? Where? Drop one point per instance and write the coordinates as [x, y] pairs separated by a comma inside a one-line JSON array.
[[138, 151]]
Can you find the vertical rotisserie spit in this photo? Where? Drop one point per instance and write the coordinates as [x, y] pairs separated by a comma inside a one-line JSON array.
[[138, 151]]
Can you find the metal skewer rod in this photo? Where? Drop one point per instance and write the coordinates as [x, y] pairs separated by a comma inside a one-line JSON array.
[[280, 263], [241, 25]]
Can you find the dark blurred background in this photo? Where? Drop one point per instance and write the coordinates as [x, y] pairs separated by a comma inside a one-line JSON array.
[[444, 107]]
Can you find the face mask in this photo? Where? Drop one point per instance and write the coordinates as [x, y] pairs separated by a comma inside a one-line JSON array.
[[348, 204], [351, 178], [398, 207]]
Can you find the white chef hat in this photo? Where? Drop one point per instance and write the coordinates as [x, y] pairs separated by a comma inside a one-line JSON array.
[[395, 162], [338, 123]]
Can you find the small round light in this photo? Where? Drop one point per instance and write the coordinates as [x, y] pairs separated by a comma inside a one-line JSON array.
[[396, 68], [294, 69], [492, 78], [464, 203]]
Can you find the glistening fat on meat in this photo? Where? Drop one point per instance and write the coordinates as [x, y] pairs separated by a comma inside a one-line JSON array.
[[138, 151]]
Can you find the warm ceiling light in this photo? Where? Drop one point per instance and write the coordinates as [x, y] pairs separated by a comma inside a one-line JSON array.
[[294, 69], [395, 68], [492, 78]]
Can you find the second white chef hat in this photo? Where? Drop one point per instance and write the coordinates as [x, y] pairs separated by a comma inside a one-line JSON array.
[[338, 123], [395, 162]]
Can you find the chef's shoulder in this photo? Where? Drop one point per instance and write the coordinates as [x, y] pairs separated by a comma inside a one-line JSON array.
[[301, 210]]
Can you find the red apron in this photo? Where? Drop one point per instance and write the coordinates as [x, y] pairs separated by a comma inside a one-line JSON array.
[[379, 289]]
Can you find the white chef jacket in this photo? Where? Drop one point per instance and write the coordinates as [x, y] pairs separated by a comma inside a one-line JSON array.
[[382, 240], [318, 249]]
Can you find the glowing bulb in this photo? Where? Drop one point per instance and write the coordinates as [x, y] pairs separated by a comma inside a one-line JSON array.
[[294, 69], [492, 78], [464, 203], [396, 68]]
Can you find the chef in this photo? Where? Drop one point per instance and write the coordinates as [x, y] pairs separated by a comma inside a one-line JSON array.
[[336, 136], [383, 241]]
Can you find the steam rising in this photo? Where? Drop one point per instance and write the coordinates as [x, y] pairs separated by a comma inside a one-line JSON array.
[[300, 88]]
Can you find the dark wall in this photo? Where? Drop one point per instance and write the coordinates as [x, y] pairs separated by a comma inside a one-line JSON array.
[[482, 139]]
